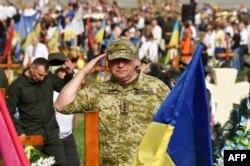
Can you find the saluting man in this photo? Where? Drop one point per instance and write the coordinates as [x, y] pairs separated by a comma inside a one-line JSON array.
[[126, 102]]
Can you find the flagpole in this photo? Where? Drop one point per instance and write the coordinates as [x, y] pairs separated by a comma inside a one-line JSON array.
[[9, 123]]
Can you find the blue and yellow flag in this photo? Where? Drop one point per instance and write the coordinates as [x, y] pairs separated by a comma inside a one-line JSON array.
[[100, 33], [174, 42], [53, 43], [20, 27], [35, 32], [26, 25], [180, 132]]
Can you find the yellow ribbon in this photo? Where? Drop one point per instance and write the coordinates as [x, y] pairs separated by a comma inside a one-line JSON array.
[[28, 151]]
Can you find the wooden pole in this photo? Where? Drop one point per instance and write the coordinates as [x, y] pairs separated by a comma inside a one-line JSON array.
[[10, 65], [2, 90], [91, 139]]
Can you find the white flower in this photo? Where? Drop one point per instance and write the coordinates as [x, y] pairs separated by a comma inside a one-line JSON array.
[[220, 161], [45, 161], [39, 161], [245, 122]]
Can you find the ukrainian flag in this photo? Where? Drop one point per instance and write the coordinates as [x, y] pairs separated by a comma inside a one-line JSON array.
[[180, 132], [31, 35], [20, 27], [53, 43], [174, 41], [26, 25], [100, 33]]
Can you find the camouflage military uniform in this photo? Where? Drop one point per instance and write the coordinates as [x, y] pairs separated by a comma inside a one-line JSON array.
[[124, 114]]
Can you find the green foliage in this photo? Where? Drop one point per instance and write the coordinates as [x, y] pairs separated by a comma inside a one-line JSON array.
[[239, 141], [38, 158], [36, 155]]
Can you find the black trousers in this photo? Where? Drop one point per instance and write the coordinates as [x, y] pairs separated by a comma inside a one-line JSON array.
[[243, 51], [70, 150], [54, 147]]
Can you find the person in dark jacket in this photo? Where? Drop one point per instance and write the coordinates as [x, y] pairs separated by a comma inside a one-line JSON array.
[[32, 94], [3, 79]]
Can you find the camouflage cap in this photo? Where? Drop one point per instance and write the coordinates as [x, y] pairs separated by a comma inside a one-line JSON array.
[[122, 48]]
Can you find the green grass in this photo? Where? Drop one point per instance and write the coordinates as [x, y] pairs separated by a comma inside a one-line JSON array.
[[79, 135], [242, 74]]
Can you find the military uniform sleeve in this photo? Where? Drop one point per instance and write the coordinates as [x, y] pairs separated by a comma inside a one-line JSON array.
[[12, 101], [84, 101]]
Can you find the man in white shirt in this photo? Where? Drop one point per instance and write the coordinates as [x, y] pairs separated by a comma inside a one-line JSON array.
[[209, 40], [35, 50], [157, 35], [228, 28], [194, 32], [248, 30], [141, 20], [156, 31], [65, 123], [149, 49]]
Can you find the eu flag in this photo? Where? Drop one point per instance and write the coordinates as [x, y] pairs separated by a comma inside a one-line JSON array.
[[179, 133]]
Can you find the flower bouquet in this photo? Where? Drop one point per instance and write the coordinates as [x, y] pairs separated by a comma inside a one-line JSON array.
[[37, 158], [241, 140]]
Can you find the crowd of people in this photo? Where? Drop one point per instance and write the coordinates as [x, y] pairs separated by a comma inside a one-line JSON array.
[[135, 43], [82, 31]]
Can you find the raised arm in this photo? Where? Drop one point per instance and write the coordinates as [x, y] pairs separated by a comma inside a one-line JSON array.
[[69, 91]]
